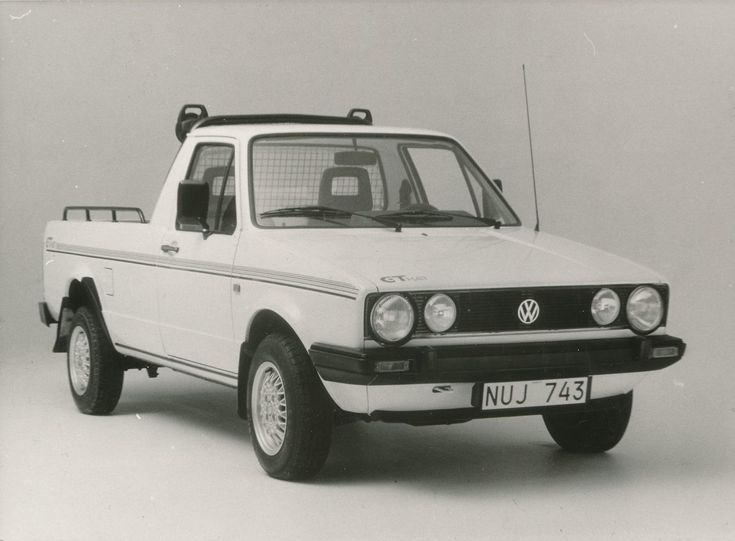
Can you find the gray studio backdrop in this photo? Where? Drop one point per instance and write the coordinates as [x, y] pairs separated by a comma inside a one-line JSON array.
[[633, 109]]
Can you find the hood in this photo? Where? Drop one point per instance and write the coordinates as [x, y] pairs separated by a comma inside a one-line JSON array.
[[447, 258]]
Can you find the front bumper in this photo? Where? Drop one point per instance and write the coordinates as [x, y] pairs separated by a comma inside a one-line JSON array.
[[444, 380]]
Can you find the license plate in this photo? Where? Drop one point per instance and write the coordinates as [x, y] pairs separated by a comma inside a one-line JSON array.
[[533, 394]]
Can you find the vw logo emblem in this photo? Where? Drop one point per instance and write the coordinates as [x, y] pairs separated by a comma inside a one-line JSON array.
[[528, 311]]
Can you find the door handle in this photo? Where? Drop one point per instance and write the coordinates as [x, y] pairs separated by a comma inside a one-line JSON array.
[[169, 249]]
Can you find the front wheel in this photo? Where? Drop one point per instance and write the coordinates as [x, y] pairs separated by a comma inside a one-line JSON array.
[[290, 415], [593, 431], [95, 373]]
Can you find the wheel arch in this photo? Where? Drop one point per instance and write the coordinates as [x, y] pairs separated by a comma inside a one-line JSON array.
[[81, 292], [265, 322]]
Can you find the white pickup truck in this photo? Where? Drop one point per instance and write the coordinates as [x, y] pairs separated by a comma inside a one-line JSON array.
[[332, 270]]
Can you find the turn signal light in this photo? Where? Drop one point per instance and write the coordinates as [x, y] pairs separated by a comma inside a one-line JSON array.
[[392, 366], [668, 351]]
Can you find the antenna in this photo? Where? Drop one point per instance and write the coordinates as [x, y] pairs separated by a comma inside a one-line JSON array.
[[530, 145]]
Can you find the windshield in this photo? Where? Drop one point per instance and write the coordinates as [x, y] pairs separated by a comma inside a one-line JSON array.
[[370, 181]]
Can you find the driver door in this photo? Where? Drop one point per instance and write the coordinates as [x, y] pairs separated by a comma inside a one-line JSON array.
[[198, 248]]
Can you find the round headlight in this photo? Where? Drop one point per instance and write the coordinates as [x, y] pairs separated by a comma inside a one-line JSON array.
[[645, 309], [392, 318], [605, 306], [440, 313]]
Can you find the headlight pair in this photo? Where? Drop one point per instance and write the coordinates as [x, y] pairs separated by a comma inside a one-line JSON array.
[[644, 309], [393, 318]]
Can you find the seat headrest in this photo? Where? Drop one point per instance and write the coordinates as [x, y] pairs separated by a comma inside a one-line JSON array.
[[346, 188]]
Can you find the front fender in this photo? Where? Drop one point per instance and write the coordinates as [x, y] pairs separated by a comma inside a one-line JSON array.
[[313, 316]]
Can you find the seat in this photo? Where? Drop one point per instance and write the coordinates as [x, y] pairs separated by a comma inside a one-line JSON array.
[[210, 173], [346, 188], [405, 192]]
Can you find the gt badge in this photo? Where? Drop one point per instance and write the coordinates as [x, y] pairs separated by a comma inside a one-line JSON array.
[[401, 278]]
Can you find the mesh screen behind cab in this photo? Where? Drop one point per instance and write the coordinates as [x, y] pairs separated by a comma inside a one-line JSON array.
[[289, 175]]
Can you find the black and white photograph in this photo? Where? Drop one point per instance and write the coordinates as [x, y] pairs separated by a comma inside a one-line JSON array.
[[356, 270]]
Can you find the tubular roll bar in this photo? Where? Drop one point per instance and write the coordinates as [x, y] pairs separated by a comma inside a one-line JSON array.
[[112, 210]]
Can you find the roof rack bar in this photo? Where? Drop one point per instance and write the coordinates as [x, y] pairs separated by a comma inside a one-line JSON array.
[[194, 115], [187, 118], [229, 120], [367, 116]]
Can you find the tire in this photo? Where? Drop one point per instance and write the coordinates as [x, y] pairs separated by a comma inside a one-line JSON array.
[[594, 431], [290, 415], [95, 373]]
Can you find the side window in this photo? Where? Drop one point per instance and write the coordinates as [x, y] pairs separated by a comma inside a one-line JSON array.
[[213, 166]]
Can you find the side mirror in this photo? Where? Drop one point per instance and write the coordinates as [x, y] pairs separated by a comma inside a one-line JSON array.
[[498, 183], [192, 207]]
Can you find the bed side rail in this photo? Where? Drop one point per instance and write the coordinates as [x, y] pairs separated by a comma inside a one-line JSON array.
[[91, 213]]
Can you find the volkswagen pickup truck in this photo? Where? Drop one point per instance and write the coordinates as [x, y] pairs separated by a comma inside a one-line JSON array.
[[332, 270]]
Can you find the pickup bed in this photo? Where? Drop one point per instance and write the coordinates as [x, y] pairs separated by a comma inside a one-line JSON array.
[[332, 270]]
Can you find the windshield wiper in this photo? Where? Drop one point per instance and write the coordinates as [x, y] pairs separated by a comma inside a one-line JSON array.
[[487, 221], [419, 215], [312, 210], [323, 213], [431, 214]]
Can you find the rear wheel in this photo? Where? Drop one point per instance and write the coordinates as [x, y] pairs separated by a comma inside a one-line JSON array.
[[95, 372], [289, 413], [592, 431]]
